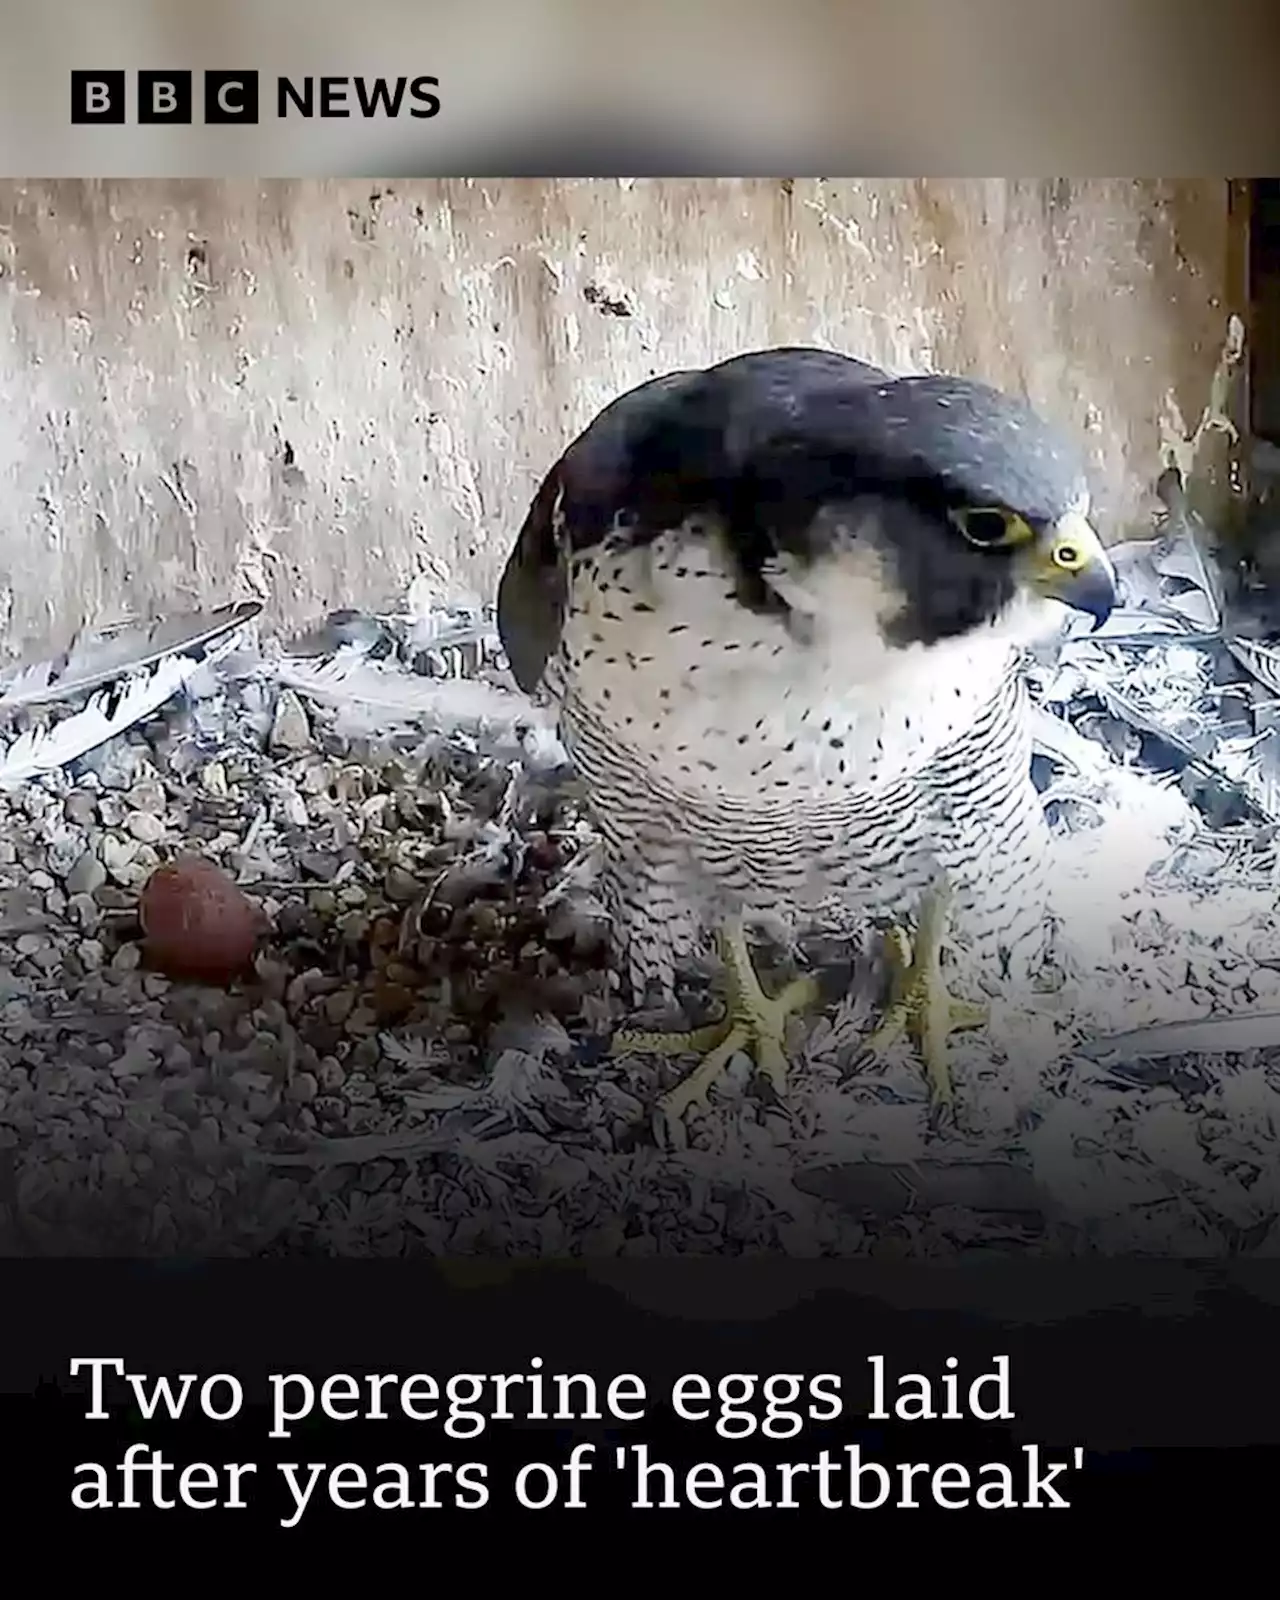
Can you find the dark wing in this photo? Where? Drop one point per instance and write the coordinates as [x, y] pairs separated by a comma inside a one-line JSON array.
[[575, 507], [710, 440]]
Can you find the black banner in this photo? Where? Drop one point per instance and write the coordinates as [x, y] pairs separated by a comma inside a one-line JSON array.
[[384, 1399]]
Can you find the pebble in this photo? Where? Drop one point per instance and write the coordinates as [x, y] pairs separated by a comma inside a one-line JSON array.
[[118, 856], [291, 728], [80, 809], [147, 797], [146, 827], [330, 1075], [112, 810], [400, 886], [135, 1063], [64, 851], [118, 764], [338, 1006], [111, 897], [303, 1089], [87, 875]]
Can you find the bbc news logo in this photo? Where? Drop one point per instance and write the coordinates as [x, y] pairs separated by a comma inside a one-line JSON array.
[[232, 97]]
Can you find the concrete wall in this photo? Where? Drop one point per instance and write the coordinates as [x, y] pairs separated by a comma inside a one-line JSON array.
[[318, 391]]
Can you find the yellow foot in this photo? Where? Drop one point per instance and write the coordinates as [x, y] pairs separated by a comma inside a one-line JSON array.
[[753, 1021], [921, 1006]]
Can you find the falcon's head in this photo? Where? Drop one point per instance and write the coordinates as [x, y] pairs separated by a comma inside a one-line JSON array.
[[972, 503], [871, 515]]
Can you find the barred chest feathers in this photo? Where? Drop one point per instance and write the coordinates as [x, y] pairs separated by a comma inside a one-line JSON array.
[[718, 699]]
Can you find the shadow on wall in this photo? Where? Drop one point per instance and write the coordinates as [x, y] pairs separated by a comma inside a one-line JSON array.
[[316, 391]]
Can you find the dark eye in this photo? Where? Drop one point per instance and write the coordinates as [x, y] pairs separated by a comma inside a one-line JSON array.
[[984, 526]]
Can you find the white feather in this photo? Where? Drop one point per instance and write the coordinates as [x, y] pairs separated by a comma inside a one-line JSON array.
[[111, 711], [351, 680]]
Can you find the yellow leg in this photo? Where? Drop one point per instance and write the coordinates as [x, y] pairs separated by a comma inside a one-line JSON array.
[[921, 1005], [752, 1021]]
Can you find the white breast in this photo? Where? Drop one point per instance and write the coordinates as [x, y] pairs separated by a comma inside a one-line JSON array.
[[724, 700]]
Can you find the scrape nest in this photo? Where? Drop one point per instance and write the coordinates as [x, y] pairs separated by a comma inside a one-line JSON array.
[[417, 1065]]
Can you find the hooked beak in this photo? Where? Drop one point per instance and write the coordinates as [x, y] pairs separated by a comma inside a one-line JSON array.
[[1069, 564]]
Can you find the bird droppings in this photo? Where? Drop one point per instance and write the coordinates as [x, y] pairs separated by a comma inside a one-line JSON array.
[[415, 1061]]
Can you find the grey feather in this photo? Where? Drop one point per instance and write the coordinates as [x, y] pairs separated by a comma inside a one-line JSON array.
[[102, 655], [1259, 1030]]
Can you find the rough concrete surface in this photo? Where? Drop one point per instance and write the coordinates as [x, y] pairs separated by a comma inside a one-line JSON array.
[[318, 391]]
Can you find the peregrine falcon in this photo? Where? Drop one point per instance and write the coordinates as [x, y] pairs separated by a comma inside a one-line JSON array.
[[780, 605]]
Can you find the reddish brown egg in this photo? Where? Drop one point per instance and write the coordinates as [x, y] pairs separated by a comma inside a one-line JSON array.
[[198, 923]]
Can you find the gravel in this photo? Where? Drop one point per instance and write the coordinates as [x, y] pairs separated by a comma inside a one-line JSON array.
[[417, 1063]]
